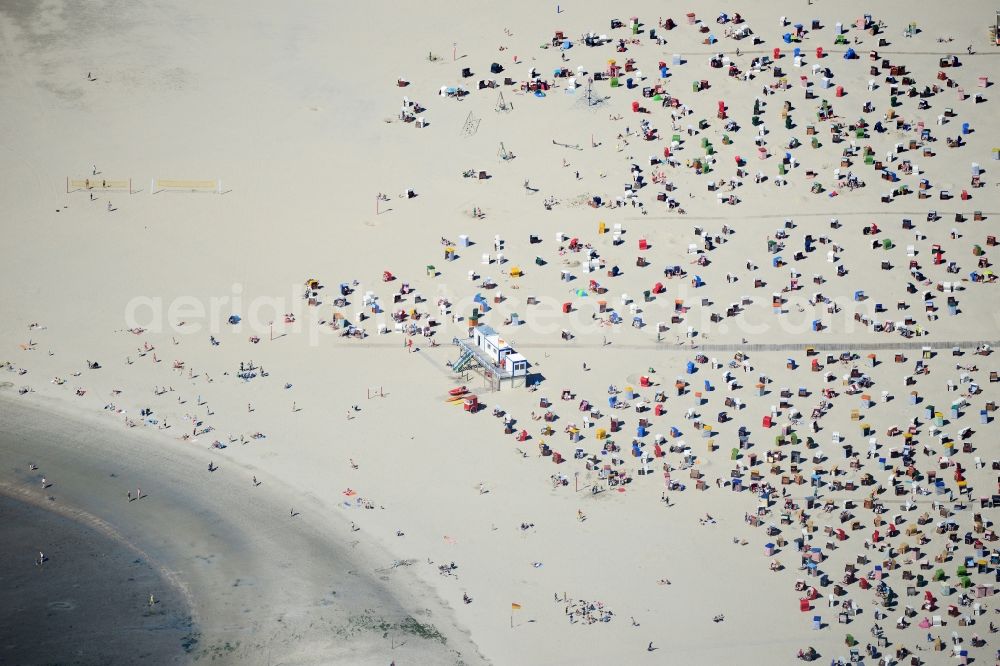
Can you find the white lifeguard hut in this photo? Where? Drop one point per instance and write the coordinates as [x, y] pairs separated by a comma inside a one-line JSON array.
[[492, 356]]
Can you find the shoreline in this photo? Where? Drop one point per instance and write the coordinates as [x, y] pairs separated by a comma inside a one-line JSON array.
[[190, 528]]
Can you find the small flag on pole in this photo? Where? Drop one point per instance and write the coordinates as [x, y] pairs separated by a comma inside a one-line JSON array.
[[515, 607]]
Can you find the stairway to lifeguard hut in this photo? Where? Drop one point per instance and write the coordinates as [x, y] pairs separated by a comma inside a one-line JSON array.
[[462, 361]]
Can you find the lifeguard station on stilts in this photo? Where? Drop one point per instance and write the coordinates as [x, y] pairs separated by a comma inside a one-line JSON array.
[[490, 356]]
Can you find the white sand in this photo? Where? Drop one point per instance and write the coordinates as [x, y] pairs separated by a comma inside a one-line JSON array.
[[297, 114]]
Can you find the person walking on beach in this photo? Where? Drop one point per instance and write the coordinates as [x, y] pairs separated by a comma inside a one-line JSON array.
[[130, 496], [254, 481], [138, 493]]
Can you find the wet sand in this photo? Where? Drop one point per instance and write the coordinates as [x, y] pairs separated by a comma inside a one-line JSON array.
[[264, 586], [88, 603]]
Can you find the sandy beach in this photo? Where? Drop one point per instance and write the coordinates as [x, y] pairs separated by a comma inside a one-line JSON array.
[[259, 259]]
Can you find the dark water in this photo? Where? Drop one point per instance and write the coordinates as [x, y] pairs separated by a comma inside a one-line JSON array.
[[88, 603]]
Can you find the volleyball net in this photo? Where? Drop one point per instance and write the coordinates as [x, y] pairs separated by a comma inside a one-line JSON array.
[[157, 185], [98, 184]]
